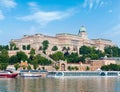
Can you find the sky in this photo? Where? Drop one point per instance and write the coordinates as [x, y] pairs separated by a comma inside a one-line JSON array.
[[50, 17]]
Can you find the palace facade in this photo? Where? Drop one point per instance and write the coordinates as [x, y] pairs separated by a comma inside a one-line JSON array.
[[71, 41]]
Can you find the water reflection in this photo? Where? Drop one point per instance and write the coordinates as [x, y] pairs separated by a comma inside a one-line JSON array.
[[93, 84]]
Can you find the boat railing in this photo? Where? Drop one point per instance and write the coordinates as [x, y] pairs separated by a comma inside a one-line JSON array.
[[84, 73]]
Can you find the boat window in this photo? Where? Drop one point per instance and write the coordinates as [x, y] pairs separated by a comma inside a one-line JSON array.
[[34, 71], [102, 74], [24, 71], [59, 74]]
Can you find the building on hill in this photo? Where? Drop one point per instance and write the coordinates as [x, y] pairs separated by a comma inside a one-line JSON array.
[[63, 40], [92, 65]]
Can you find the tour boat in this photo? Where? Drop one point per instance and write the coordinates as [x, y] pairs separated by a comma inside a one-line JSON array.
[[83, 74], [30, 73], [7, 74]]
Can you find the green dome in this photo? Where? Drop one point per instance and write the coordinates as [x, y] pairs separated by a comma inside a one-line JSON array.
[[82, 29]]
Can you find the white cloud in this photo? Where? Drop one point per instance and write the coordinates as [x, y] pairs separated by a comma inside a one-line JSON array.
[[1, 15], [113, 32], [92, 4], [43, 17], [32, 4], [8, 3]]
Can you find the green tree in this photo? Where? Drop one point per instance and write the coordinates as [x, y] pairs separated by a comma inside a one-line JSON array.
[[16, 48], [12, 45], [108, 51], [73, 68], [85, 50], [42, 60], [82, 58], [6, 47], [72, 58], [54, 48], [13, 59], [3, 66], [93, 56], [112, 51], [91, 52], [4, 58], [29, 67], [76, 68], [87, 68], [99, 53], [111, 67], [35, 64], [57, 67], [57, 56], [21, 56], [16, 66], [4, 52], [32, 52], [1, 47], [69, 68], [45, 44]]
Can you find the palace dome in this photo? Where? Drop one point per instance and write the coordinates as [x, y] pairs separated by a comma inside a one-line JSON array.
[[82, 29]]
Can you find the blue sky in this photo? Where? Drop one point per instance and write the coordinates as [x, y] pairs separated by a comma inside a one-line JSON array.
[[20, 17]]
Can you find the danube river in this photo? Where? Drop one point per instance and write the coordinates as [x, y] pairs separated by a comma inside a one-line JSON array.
[[86, 84]]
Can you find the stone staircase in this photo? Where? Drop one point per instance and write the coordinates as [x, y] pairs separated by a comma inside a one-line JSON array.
[[46, 56]]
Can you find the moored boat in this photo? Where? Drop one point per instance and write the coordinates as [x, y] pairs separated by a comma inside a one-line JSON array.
[[7, 74], [58, 74], [30, 73]]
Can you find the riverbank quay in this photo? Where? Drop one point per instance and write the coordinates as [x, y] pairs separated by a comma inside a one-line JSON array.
[[45, 74], [63, 74]]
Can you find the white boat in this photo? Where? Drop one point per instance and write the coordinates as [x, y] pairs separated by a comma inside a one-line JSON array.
[[84, 74], [30, 73]]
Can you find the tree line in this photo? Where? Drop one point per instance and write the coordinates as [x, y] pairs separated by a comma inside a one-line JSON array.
[[33, 59], [86, 52], [111, 67]]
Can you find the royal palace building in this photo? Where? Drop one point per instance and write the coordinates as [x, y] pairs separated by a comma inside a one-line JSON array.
[[63, 40]]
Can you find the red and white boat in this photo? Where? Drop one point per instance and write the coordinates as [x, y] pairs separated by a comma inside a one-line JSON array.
[[7, 74]]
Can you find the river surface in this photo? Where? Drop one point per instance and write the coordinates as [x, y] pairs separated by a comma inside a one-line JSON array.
[[86, 84]]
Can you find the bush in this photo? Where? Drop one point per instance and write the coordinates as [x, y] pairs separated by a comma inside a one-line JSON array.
[[16, 66], [29, 67], [3, 66]]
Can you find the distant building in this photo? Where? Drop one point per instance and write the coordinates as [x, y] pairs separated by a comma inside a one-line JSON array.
[[93, 65], [63, 40]]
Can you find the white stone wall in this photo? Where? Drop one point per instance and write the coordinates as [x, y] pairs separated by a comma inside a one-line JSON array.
[[61, 40]]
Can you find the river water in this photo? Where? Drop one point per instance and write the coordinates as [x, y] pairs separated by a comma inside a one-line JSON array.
[[86, 84]]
